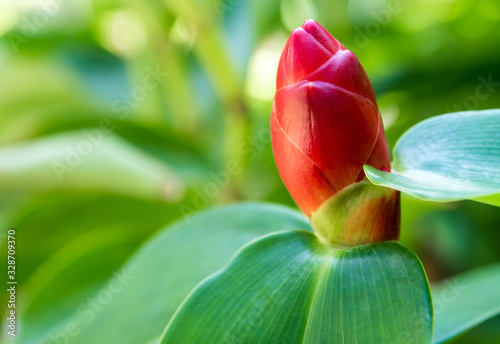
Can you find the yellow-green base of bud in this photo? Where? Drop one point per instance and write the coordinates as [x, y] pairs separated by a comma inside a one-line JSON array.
[[359, 214]]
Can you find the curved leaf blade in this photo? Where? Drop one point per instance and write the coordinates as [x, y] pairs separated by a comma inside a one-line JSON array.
[[78, 161], [170, 265], [465, 301], [290, 288], [447, 158]]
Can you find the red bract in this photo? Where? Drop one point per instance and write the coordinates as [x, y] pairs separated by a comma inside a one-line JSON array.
[[325, 123]]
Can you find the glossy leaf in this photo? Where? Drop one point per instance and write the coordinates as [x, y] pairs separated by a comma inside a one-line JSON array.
[[447, 158], [169, 266], [290, 288], [465, 301]]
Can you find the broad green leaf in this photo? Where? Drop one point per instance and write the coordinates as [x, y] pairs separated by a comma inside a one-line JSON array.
[[465, 301], [290, 288], [56, 218], [91, 159], [162, 273], [447, 158], [83, 265]]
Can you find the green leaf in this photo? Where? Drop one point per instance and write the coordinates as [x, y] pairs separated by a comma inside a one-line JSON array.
[[169, 266], [465, 301], [447, 158], [88, 160], [290, 288], [82, 266]]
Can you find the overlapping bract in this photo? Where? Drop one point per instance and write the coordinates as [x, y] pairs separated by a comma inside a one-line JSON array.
[[325, 123]]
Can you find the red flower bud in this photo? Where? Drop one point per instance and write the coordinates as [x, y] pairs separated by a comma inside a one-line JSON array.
[[325, 124]]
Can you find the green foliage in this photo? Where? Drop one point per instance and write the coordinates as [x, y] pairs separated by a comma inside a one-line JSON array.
[[162, 273], [290, 288], [90, 160], [447, 158], [89, 61], [464, 301]]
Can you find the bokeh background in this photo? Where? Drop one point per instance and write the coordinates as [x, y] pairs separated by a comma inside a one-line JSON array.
[[119, 117]]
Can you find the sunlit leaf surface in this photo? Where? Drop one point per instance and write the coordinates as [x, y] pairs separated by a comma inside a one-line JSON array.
[[448, 158], [290, 288]]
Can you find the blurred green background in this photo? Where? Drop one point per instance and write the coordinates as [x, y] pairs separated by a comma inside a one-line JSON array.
[[118, 117]]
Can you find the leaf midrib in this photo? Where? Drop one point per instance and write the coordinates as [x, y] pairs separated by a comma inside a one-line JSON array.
[[325, 267]]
